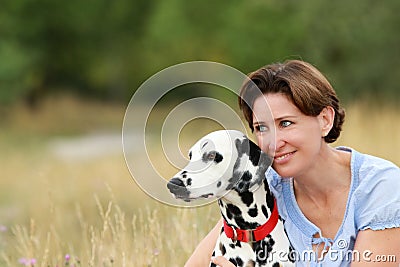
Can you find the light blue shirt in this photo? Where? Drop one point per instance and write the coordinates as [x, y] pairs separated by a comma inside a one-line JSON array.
[[373, 203]]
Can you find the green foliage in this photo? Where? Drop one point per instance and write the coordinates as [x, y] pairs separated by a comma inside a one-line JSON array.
[[108, 48]]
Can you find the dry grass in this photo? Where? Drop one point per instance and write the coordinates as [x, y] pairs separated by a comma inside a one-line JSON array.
[[92, 210], [373, 129], [89, 209]]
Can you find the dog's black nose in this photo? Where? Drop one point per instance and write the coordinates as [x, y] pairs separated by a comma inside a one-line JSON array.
[[177, 187], [176, 182]]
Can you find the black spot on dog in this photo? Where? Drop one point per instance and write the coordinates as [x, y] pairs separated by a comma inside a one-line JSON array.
[[266, 188], [233, 261], [271, 243], [265, 211], [229, 214], [222, 248], [245, 182], [238, 244], [190, 155], [247, 147], [240, 186], [236, 175], [218, 158], [276, 264], [263, 249], [232, 245], [254, 154], [233, 209], [189, 181], [212, 264], [253, 212], [219, 184], [231, 183], [234, 213], [243, 224], [237, 164], [269, 198], [239, 261], [261, 254], [247, 176], [247, 198]]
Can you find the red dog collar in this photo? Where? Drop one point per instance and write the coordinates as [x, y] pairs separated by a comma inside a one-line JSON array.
[[253, 235]]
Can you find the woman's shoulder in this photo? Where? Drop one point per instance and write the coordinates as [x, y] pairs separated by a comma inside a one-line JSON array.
[[369, 169], [375, 192], [375, 183], [365, 166]]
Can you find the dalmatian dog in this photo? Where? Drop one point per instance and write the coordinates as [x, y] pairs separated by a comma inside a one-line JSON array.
[[227, 165]]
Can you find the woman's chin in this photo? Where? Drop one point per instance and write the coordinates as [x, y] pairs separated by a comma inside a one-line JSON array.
[[283, 172]]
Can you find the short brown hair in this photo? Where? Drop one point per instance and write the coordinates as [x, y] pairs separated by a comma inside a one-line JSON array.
[[302, 83]]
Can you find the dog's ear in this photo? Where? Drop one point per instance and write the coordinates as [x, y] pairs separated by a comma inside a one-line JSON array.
[[256, 155], [242, 146], [246, 146], [244, 179]]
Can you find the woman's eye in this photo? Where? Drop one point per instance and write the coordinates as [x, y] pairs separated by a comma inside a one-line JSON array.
[[285, 123], [261, 128]]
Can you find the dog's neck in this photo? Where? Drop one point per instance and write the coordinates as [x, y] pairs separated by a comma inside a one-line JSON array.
[[247, 210]]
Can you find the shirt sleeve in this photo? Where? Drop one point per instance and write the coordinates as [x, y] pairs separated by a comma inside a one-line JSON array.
[[378, 196]]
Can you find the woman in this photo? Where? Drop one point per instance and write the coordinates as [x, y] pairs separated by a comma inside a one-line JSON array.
[[342, 205]]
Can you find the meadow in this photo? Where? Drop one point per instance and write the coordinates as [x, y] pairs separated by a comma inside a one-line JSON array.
[[66, 209]]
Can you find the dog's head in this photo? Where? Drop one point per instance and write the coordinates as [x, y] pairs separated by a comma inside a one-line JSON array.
[[220, 161]]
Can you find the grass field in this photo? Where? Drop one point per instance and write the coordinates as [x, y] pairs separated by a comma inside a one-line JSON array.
[[58, 210]]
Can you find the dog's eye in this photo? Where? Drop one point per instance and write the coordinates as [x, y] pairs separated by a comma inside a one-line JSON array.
[[211, 155]]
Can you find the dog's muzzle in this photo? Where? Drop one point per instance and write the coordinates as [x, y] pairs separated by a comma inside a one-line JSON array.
[[177, 188]]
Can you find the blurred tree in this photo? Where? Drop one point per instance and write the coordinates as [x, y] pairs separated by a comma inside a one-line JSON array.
[[356, 44], [107, 48], [47, 45]]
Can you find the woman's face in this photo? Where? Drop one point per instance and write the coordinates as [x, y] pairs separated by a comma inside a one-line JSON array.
[[298, 137]]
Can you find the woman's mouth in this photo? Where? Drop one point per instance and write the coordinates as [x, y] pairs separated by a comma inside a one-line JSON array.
[[283, 157]]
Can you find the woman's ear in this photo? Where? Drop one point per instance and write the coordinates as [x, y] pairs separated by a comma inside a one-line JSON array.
[[326, 118]]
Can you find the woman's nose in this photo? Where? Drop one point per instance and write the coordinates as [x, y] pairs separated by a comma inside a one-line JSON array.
[[279, 141]]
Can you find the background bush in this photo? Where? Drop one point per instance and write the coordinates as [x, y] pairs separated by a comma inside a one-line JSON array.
[[106, 49]]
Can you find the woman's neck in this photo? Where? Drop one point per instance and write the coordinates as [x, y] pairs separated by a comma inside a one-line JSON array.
[[330, 174]]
